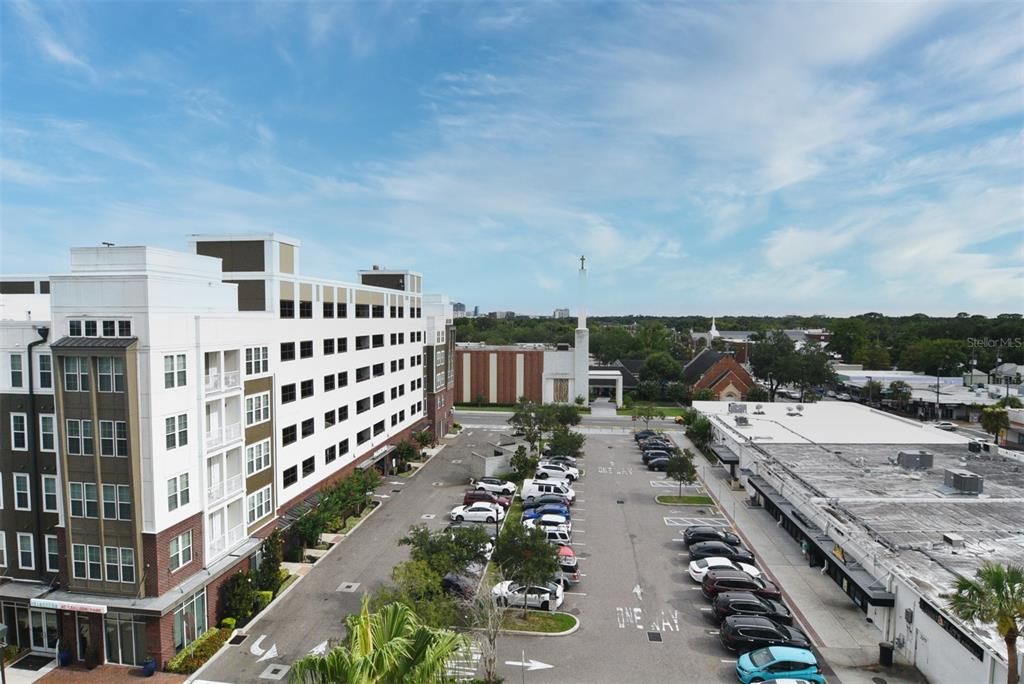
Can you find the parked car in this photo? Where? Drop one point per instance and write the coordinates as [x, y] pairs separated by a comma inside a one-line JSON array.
[[557, 536], [843, 396], [716, 548], [648, 444], [644, 434], [550, 521], [543, 597], [534, 488], [740, 633], [473, 495], [743, 603], [546, 509], [701, 533], [556, 472], [648, 456], [659, 464], [478, 512], [544, 499], [461, 586], [778, 662], [562, 460], [456, 524], [496, 486], [568, 566], [946, 425], [699, 568], [717, 581]]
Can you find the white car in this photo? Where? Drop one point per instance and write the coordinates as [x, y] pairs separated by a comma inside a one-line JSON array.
[[543, 597], [945, 425], [699, 568], [843, 396], [550, 521], [481, 511], [556, 471], [496, 486]]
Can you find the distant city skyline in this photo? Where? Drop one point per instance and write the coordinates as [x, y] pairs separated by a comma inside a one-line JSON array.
[[708, 158]]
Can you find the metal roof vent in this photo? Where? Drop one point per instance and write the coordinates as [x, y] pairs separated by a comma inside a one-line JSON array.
[[954, 540]]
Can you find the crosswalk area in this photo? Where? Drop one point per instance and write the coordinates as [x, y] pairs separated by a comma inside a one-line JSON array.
[[463, 666]]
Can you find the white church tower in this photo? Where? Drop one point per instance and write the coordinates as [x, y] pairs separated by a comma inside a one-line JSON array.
[[581, 351]]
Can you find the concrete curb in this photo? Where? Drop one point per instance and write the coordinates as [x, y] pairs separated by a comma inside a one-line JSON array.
[[567, 632]]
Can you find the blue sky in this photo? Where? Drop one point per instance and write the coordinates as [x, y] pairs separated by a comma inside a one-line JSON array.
[[759, 158]]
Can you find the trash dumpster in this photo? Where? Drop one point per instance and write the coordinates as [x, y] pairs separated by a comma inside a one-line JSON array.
[[885, 649]]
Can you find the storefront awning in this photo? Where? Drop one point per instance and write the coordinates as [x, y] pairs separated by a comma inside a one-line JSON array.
[[725, 454], [377, 455], [68, 605]]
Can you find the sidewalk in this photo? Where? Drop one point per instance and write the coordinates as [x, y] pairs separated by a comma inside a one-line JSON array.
[[844, 637]]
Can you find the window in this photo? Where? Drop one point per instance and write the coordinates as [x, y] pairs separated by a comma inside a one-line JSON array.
[[176, 431], [363, 405], [49, 485], [287, 351], [289, 435], [113, 438], [308, 466], [342, 413], [257, 409], [76, 374], [378, 428], [378, 311], [189, 620], [328, 309], [90, 328], [45, 371], [394, 392], [343, 447], [95, 566], [257, 457], [288, 393], [363, 436], [362, 310], [78, 567], [378, 370], [377, 341], [394, 419], [342, 345], [291, 476], [117, 502], [378, 399], [83, 499], [52, 553], [363, 374], [259, 505], [177, 491], [19, 431], [111, 374], [124, 328], [343, 379], [394, 365], [362, 342], [17, 375], [74, 328], [128, 565], [26, 551], [305, 349], [287, 308], [113, 557], [181, 550], [257, 360], [3, 549], [328, 382], [330, 454], [47, 433], [343, 310], [306, 388], [307, 427], [22, 492], [79, 437], [329, 418], [328, 346], [305, 309], [174, 370], [108, 328]]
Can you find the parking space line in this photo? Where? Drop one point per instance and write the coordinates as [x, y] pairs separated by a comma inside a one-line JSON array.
[[579, 531], [577, 544], [728, 660], [580, 520], [573, 593], [712, 632], [705, 610]]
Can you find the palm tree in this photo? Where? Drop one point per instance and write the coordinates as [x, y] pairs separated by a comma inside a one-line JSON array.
[[390, 646], [995, 595]]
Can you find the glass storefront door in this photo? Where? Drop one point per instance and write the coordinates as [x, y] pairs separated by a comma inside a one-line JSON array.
[[125, 639], [43, 630]]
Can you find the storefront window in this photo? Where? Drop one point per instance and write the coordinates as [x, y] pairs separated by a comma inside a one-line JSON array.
[[189, 620], [125, 638]]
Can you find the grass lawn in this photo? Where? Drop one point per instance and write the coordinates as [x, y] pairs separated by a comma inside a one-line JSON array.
[[698, 499], [352, 522], [537, 621], [285, 584], [669, 411], [515, 511]]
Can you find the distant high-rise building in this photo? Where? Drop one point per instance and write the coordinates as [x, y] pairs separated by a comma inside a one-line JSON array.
[[458, 310], [476, 311], [561, 313]]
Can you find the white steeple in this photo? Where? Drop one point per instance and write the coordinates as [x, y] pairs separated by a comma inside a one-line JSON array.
[[714, 329]]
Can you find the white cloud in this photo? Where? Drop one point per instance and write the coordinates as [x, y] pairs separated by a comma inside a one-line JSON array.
[[46, 39]]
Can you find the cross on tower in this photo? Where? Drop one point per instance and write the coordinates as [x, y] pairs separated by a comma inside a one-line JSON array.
[[583, 263]]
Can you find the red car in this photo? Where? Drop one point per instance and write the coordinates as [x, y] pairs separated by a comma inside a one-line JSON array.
[[473, 495], [717, 581]]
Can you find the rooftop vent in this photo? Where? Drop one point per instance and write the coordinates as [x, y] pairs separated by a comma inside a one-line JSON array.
[[915, 460], [737, 408], [963, 481], [759, 410], [742, 421], [954, 540]]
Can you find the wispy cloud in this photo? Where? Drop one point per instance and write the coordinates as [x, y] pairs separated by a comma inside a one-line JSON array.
[[47, 40]]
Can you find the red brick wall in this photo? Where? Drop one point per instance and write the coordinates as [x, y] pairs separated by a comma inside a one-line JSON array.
[[156, 552]]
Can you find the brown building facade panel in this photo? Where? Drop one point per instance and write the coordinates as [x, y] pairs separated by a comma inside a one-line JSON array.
[[506, 364], [235, 255]]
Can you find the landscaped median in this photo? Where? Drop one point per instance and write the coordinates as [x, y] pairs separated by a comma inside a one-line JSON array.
[[684, 500], [193, 656], [537, 622]]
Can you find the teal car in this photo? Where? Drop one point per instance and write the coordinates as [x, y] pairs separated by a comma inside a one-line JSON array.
[[778, 662]]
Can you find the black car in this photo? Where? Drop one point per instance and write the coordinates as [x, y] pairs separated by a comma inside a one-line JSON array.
[[660, 464], [654, 453], [644, 434], [545, 499], [718, 580], [748, 605], [708, 549], [741, 634], [701, 533], [656, 444], [461, 586]]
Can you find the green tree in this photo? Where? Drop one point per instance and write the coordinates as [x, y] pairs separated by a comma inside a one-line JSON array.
[[565, 442], [389, 646], [699, 431], [678, 392], [647, 412], [848, 336], [704, 394], [680, 468], [872, 390], [566, 415], [660, 367], [488, 617], [813, 368], [309, 527], [652, 337], [933, 356], [773, 359], [424, 438], [994, 420], [995, 595], [872, 356], [1010, 402], [526, 420], [649, 390], [418, 586], [404, 452], [271, 554], [757, 393], [447, 550], [524, 555], [238, 597], [900, 392], [522, 463]]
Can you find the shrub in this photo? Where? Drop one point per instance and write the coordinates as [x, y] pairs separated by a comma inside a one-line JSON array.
[[271, 555], [193, 656], [237, 596], [263, 599], [309, 527], [227, 623]]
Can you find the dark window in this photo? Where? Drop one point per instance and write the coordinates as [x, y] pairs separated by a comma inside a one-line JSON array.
[[287, 393], [342, 310], [378, 311], [394, 365], [329, 419], [363, 436], [394, 392], [362, 374], [308, 466], [328, 309], [401, 364], [124, 328], [394, 313], [342, 345], [109, 329], [378, 428], [401, 311], [362, 342], [328, 346], [328, 382], [378, 370], [307, 427], [305, 309], [342, 413], [306, 389], [412, 361], [75, 328], [330, 453], [343, 379], [363, 405], [362, 310], [291, 476], [305, 349], [287, 308], [394, 337], [343, 447], [378, 341], [394, 420], [288, 435], [378, 398], [287, 351], [90, 328]]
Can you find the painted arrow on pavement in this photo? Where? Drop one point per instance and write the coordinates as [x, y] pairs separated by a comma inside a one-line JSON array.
[[320, 649], [530, 664], [639, 592]]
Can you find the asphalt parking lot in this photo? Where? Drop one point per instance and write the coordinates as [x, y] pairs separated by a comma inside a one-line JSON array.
[[642, 619]]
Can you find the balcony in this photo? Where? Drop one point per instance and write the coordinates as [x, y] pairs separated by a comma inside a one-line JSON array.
[[223, 435], [227, 541], [223, 382], [224, 489]]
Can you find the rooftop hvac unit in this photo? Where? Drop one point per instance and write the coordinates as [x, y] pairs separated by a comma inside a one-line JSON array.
[[954, 540], [974, 447], [742, 421], [964, 481], [737, 408], [915, 460]]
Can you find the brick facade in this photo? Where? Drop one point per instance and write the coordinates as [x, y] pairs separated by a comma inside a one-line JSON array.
[[156, 553]]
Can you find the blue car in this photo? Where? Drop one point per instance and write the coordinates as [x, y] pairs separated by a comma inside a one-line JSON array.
[[546, 509], [778, 662]]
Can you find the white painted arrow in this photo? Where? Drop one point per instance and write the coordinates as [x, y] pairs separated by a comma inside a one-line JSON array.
[[321, 648], [530, 664], [272, 653], [255, 647], [639, 592]]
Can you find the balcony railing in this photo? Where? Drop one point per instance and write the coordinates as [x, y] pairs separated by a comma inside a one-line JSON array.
[[223, 435], [227, 541], [213, 382], [224, 488], [217, 382]]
